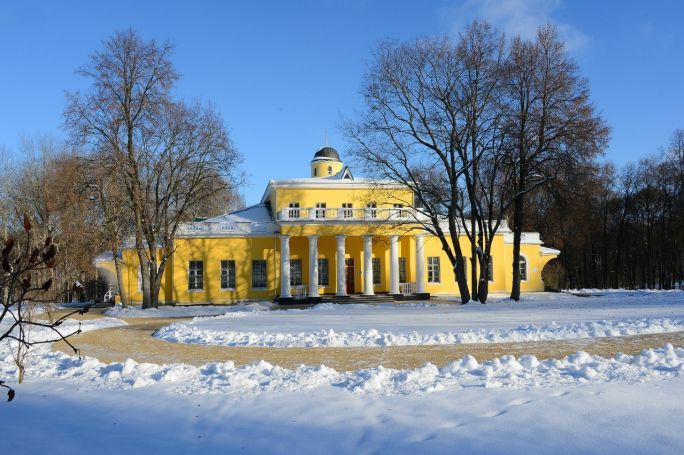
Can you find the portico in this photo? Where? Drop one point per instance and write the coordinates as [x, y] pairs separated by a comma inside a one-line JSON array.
[[363, 264]]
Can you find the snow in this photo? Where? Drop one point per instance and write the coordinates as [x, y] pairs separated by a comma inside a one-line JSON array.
[[578, 404], [539, 317], [186, 311]]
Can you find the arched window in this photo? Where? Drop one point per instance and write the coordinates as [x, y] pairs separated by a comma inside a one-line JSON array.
[[329, 170], [315, 171], [523, 268]]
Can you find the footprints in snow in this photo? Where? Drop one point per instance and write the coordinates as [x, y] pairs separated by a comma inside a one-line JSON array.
[[514, 403]]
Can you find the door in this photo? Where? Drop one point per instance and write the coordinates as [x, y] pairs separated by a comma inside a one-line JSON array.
[[349, 270]]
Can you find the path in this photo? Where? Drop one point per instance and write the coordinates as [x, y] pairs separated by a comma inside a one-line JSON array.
[[135, 341]]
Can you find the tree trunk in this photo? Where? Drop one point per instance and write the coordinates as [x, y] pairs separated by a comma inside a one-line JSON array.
[[119, 280], [145, 276], [461, 279], [517, 237]]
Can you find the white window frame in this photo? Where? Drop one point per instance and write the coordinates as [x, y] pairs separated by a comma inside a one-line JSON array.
[[265, 274], [321, 209], [294, 211], [299, 274], [490, 277], [228, 263], [400, 210], [403, 269], [377, 271], [194, 275], [347, 210], [321, 275], [372, 210], [527, 269], [434, 265], [140, 279]]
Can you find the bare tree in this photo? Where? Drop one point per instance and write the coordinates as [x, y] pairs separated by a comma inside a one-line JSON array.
[[24, 283], [411, 130], [191, 161], [43, 184], [171, 156], [102, 184], [552, 121]]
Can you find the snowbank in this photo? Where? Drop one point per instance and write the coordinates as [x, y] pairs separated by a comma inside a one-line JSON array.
[[226, 378], [186, 333], [541, 317]]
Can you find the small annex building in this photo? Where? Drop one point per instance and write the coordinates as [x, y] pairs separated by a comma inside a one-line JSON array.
[[328, 235]]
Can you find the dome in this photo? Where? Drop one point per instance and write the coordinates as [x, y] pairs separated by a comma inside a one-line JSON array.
[[327, 152]]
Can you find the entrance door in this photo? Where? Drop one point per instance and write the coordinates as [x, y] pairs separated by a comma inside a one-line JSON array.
[[349, 270]]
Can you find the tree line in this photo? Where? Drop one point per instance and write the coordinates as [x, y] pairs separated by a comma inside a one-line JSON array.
[[617, 228]]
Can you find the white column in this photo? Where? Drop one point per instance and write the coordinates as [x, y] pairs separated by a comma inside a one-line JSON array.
[[313, 266], [341, 267], [285, 266], [394, 264], [368, 265], [420, 265]]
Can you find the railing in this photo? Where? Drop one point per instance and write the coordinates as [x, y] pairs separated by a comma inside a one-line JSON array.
[[225, 227], [345, 214], [407, 288], [298, 292]]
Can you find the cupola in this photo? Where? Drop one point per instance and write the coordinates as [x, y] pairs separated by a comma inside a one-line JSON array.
[[326, 162]]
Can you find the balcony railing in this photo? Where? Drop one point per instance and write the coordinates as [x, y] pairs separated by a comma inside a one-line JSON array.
[[346, 214], [202, 228]]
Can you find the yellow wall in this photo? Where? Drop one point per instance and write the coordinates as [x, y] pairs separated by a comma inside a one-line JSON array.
[[243, 250], [319, 168], [334, 198]]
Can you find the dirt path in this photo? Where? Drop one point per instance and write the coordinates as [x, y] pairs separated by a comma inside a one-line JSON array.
[[135, 341]]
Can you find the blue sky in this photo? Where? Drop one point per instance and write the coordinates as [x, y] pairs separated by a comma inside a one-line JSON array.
[[281, 73]]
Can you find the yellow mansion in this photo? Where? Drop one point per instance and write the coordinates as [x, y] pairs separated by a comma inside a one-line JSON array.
[[330, 236]]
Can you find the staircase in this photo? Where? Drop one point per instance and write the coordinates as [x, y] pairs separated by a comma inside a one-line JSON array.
[[359, 298]]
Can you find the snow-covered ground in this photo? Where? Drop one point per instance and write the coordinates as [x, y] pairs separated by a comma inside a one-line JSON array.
[[541, 316], [579, 404], [184, 311]]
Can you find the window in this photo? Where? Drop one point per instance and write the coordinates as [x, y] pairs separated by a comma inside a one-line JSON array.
[[259, 273], [293, 211], [402, 270], [490, 272], [295, 272], [140, 278], [523, 268], [329, 170], [399, 210], [196, 275], [315, 171], [323, 272], [465, 267], [320, 209], [433, 269], [228, 274], [376, 271], [371, 210], [347, 210]]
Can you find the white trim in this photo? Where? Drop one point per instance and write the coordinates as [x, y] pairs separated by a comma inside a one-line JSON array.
[[527, 268]]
